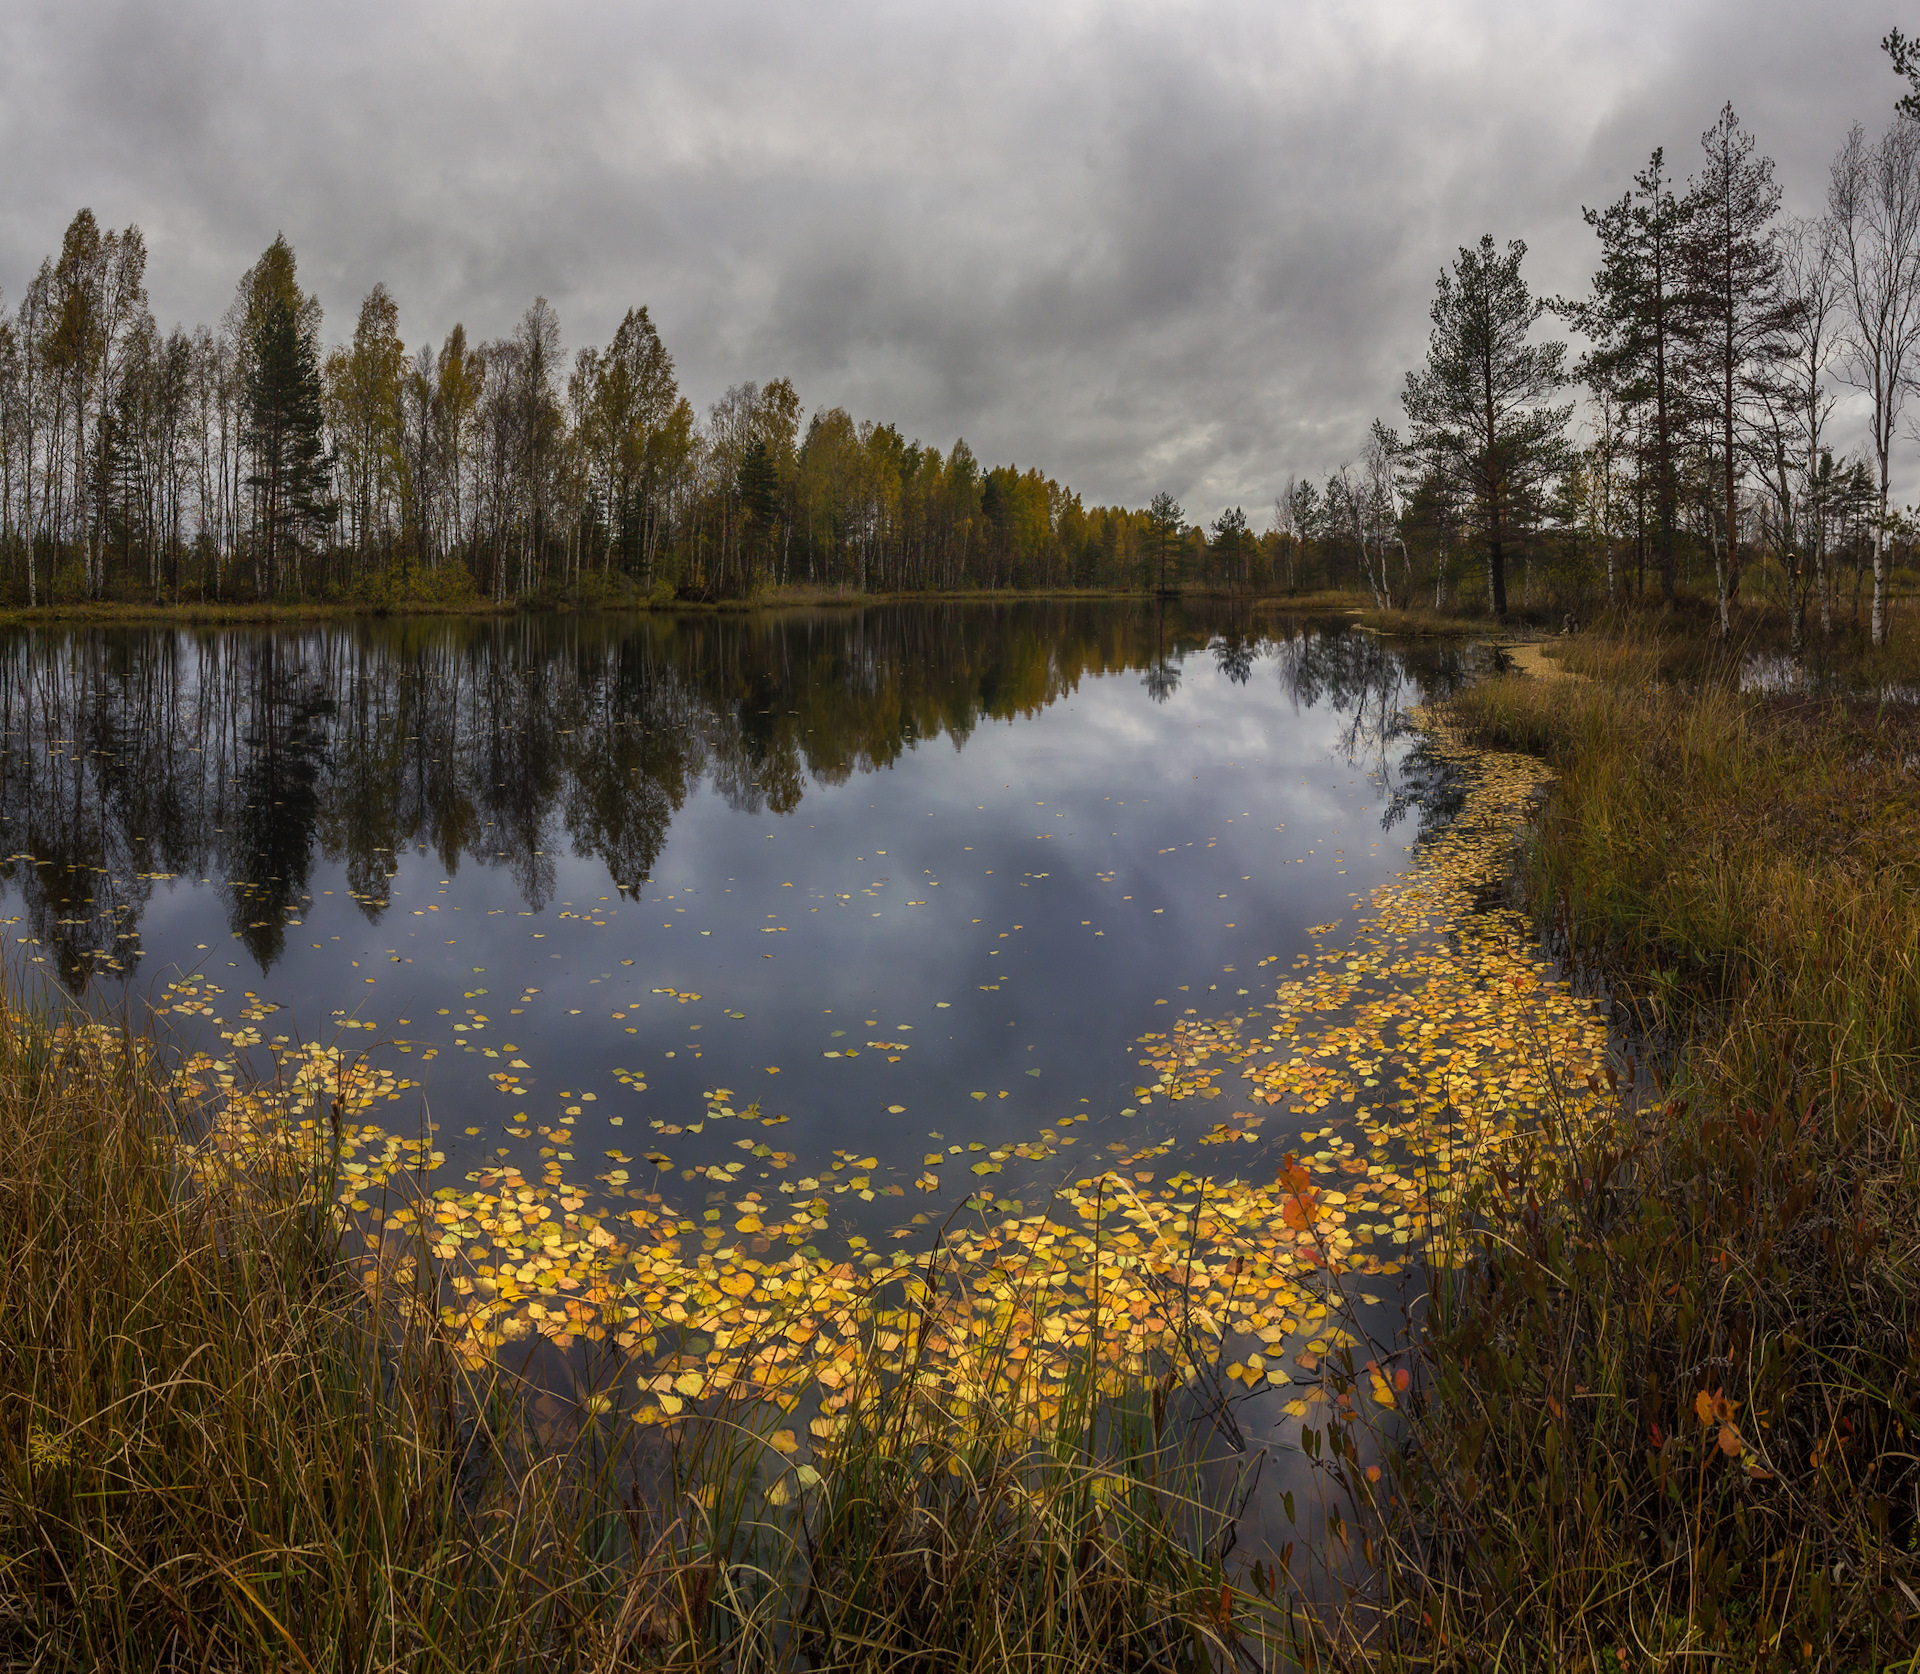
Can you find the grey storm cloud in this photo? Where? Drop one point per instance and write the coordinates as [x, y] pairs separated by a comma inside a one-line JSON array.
[[1183, 246]]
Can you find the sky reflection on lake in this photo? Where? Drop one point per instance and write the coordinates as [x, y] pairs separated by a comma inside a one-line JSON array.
[[931, 871]]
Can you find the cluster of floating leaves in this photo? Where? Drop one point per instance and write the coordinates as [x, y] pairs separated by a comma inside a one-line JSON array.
[[1421, 1047]]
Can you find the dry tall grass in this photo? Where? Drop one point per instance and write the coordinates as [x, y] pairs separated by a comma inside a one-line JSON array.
[[1671, 1402], [219, 1450]]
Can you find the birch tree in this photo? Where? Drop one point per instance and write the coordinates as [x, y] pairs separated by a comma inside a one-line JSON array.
[[1873, 205], [1791, 439], [33, 323], [364, 385]]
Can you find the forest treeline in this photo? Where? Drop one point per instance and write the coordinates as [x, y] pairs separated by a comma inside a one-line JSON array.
[[1718, 334], [248, 461]]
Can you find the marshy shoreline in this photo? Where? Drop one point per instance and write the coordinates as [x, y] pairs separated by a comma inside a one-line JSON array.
[[1670, 1407], [369, 606], [1660, 1409]]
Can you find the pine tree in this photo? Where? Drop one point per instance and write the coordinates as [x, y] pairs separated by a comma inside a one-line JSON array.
[[1633, 316], [1168, 523], [1738, 310], [1478, 411], [1228, 548], [1905, 54]]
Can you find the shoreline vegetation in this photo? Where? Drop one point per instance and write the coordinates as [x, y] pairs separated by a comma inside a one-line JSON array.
[[254, 462], [994, 1455], [795, 597], [222, 1446], [249, 461], [1674, 1392], [799, 597]]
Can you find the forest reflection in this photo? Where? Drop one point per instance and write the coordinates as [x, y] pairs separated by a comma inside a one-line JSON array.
[[131, 756]]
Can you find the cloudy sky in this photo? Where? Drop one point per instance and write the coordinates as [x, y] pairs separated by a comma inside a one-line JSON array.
[[1143, 246]]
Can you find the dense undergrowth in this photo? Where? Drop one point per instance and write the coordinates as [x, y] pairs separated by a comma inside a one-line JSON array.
[[220, 1450], [1671, 1401]]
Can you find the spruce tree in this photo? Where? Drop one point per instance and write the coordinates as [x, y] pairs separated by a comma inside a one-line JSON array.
[[759, 487], [283, 414]]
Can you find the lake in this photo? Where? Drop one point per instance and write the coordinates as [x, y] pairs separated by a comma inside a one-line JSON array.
[[739, 1005], [910, 879]]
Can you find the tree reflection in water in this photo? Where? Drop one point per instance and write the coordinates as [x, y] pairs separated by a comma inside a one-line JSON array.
[[242, 756]]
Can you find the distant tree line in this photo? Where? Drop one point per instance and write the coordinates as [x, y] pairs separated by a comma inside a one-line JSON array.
[[249, 461], [1719, 334]]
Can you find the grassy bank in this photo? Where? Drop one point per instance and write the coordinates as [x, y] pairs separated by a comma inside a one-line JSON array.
[[1672, 1401], [803, 595], [219, 1448], [794, 597], [214, 613], [1415, 619]]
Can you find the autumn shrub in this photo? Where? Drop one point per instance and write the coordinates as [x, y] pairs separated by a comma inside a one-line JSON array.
[[1671, 1390], [1417, 619], [447, 585]]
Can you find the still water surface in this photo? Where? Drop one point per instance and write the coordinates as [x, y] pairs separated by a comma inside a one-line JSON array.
[[912, 878]]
